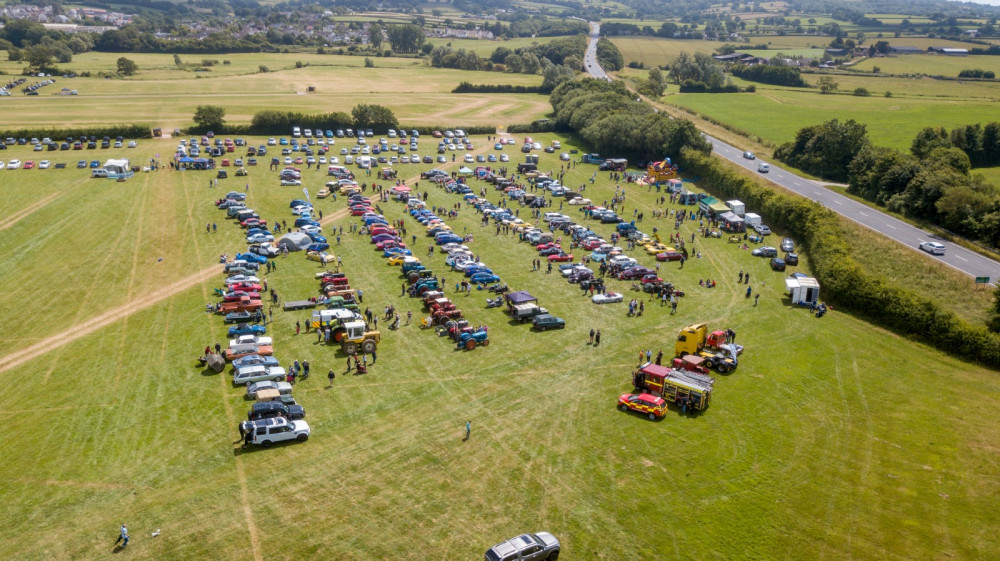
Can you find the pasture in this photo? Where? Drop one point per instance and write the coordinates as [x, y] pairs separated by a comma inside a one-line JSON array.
[[164, 95], [833, 439], [929, 64], [776, 114]]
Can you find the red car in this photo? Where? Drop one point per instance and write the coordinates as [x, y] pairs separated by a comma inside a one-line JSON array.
[[542, 246], [650, 279], [669, 256], [29, 164], [561, 257], [383, 230], [361, 210], [389, 243], [253, 223], [593, 244], [646, 403], [246, 287], [236, 295]]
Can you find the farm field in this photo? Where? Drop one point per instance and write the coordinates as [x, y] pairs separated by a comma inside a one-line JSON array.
[[164, 96], [485, 47], [831, 440], [929, 64], [776, 114]]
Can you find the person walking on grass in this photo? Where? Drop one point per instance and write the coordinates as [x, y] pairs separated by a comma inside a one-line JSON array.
[[591, 342], [298, 327], [122, 537], [597, 338], [468, 433]]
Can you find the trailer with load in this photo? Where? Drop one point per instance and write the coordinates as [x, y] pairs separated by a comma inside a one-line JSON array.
[[718, 354]]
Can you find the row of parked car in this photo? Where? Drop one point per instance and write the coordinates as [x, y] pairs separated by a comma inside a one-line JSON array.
[[275, 416], [70, 143]]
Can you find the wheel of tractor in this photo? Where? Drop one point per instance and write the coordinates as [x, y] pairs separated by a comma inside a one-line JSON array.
[[266, 443], [470, 344], [486, 343], [350, 348], [368, 346], [623, 407], [723, 369], [338, 336], [302, 437], [422, 290], [413, 277]]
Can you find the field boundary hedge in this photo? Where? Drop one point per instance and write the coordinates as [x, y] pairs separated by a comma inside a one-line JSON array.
[[845, 282], [60, 134]]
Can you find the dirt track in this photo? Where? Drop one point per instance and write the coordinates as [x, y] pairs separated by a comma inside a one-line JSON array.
[[109, 317]]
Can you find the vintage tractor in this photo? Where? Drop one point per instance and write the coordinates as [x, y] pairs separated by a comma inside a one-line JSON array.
[[412, 266], [470, 340], [423, 286], [414, 276], [356, 336], [442, 317]]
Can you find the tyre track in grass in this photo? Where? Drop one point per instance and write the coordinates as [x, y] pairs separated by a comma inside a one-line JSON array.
[[130, 286], [241, 477], [93, 290], [27, 211]]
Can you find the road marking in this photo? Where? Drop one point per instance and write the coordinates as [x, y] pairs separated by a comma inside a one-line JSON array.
[[838, 202], [962, 258], [891, 226], [862, 213]]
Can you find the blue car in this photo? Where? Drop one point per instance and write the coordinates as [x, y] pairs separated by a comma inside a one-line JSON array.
[[298, 202], [448, 238], [300, 222], [258, 230], [318, 246], [484, 278], [251, 257], [254, 360], [283, 141], [477, 269], [95, 164], [598, 256], [247, 329], [329, 133], [317, 238], [389, 252]]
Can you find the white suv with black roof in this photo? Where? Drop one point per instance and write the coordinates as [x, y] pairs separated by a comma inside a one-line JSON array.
[[526, 547]]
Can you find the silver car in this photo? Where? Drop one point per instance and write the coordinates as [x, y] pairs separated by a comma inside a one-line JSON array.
[[526, 547]]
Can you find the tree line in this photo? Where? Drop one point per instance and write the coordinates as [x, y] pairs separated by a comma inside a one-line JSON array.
[[934, 182], [607, 117]]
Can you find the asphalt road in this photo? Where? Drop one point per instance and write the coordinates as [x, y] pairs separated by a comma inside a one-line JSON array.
[[968, 262]]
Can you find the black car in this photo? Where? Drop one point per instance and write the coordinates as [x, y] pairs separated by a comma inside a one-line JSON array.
[[270, 409], [777, 264], [791, 258]]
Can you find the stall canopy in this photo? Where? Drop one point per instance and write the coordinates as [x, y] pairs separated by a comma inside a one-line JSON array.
[[464, 171], [520, 297], [732, 222], [295, 241]]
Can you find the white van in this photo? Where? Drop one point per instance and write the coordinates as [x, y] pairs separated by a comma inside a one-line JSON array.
[[364, 162], [763, 168], [348, 159], [296, 132], [98, 172]]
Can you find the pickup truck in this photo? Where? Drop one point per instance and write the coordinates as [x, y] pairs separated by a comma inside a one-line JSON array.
[[525, 312]]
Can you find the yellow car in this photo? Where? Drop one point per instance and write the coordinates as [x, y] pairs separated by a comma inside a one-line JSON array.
[[654, 248], [323, 193], [400, 259], [313, 255]]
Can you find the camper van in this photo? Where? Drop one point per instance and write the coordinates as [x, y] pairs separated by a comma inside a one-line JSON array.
[[364, 162], [296, 132]]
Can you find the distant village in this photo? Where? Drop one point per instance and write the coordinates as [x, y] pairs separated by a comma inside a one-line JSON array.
[[312, 26]]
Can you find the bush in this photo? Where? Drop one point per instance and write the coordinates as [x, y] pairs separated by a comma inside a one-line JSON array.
[[845, 283], [127, 131], [861, 92], [467, 87]]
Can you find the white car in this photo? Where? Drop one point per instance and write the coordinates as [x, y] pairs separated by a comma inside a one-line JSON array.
[[607, 298], [574, 269], [132, 144], [291, 182], [299, 209], [44, 164], [934, 248], [258, 373], [277, 429], [449, 247], [272, 142], [580, 201], [14, 164], [334, 160], [251, 339], [237, 279], [284, 388], [310, 229], [564, 157], [536, 146], [504, 158], [463, 265], [260, 238]]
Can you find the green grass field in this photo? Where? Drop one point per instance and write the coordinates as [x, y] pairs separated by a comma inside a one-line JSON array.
[[929, 64], [833, 439], [776, 114], [166, 96]]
